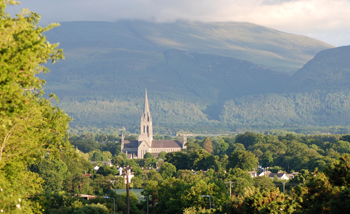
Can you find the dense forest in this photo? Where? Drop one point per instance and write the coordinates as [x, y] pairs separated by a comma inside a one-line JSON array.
[[175, 181]]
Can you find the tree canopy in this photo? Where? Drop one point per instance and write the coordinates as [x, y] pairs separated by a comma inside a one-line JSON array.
[[30, 126]]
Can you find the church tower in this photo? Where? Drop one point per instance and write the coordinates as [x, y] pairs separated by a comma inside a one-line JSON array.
[[146, 129]]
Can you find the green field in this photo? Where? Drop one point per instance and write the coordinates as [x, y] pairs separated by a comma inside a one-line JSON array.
[[137, 192]]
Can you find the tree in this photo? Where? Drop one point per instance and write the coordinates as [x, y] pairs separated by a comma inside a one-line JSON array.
[[119, 161], [161, 155], [92, 209], [148, 155], [242, 159], [221, 147], [30, 127], [167, 170], [267, 159], [53, 172], [208, 145]]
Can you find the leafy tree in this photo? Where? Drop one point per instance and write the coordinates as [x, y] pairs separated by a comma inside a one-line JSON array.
[[241, 180], [119, 161], [221, 147], [269, 201], [237, 146], [92, 209], [208, 145], [264, 183], [30, 126], [161, 155], [102, 184], [97, 155], [301, 177], [193, 145], [85, 145], [242, 159], [107, 170], [267, 159], [339, 172], [345, 138], [179, 159], [202, 160], [249, 139], [167, 170], [341, 146], [53, 172], [77, 183], [148, 155]]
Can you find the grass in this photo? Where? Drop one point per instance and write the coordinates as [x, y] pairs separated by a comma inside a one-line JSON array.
[[137, 192]]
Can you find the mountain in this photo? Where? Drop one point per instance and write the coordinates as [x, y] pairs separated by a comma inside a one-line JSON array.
[[99, 41], [196, 79], [328, 71]]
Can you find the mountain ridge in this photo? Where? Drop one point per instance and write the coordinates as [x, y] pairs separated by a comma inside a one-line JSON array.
[[101, 83], [274, 49]]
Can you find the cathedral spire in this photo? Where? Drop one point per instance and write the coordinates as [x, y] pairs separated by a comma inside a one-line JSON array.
[[146, 108], [146, 128]]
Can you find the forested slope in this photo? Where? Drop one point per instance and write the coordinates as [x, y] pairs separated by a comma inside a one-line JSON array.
[[108, 65]]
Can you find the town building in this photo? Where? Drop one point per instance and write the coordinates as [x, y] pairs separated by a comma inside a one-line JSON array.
[[145, 143]]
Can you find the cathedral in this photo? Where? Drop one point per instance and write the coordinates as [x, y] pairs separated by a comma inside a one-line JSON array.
[[145, 143]]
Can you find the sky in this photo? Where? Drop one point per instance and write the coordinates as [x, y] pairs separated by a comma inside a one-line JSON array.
[[326, 20]]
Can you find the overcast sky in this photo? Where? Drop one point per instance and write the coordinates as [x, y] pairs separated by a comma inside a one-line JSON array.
[[326, 20]]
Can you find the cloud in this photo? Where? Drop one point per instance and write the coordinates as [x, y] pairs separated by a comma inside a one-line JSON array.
[[308, 17]]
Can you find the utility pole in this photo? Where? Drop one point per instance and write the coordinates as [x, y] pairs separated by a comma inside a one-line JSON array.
[[230, 182], [127, 189], [284, 186]]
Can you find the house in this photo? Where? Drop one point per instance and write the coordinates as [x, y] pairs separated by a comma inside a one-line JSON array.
[[292, 175], [122, 173], [145, 143], [279, 176], [265, 173], [253, 174]]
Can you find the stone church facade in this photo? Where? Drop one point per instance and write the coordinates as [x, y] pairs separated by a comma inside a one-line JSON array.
[[145, 143]]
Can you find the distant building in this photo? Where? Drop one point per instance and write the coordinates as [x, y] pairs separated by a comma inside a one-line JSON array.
[[145, 143], [279, 175]]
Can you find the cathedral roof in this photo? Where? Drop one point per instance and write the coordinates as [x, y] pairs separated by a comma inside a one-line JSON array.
[[166, 144], [131, 144]]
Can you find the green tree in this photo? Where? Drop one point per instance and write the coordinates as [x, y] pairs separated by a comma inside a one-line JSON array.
[[30, 126], [119, 161], [268, 201], [107, 170], [148, 155], [267, 159], [92, 209], [97, 155], [167, 170], [221, 147], [53, 172], [161, 155], [242, 159], [208, 145]]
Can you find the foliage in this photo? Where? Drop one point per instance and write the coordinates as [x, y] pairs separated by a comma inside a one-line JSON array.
[[242, 159], [208, 145], [161, 155], [167, 170], [30, 126]]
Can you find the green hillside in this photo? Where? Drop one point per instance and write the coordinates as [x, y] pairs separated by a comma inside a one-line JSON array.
[[328, 71], [101, 83], [264, 46]]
